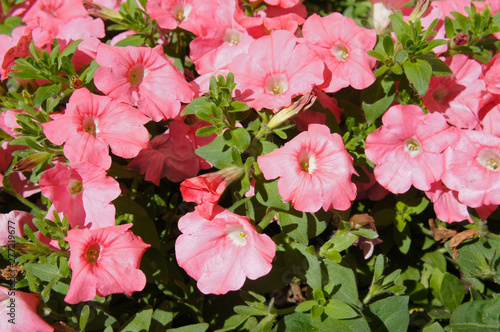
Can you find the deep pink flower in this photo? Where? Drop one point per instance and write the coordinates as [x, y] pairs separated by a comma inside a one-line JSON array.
[[83, 192], [407, 148], [342, 45], [104, 261], [473, 169], [221, 253], [92, 124], [315, 161], [12, 223], [207, 189], [20, 308], [142, 77], [275, 69]]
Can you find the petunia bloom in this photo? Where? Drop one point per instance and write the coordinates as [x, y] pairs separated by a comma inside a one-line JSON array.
[[143, 77], [221, 253], [408, 148], [12, 223], [275, 69], [315, 161], [104, 261], [92, 124], [342, 45], [83, 192]]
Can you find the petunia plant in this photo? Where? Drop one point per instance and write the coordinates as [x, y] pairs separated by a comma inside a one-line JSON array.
[[249, 165]]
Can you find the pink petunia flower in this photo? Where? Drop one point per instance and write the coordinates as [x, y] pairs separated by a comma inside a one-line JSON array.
[[18, 312], [221, 253], [408, 148], [315, 161], [92, 124], [342, 45], [446, 204], [207, 189], [83, 192], [104, 261], [275, 69], [473, 169], [143, 77]]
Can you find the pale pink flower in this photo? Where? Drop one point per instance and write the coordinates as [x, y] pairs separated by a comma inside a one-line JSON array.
[[457, 96], [492, 75], [491, 120], [315, 161], [83, 192], [446, 204], [275, 69], [190, 15], [142, 77], [12, 223], [342, 45], [408, 148], [221, 253], [104, 261], [92, 124], [18, 312], [473, 169], [382, 9]]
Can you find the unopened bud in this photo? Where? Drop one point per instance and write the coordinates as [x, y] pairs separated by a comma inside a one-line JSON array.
[[76, 82], [420, 8], [29, 163], [460, 39], [98, 10], [286, 113]]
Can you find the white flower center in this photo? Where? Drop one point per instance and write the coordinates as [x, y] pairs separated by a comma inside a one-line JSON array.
[[236, 234], [137, 74], [489, 158], [307, 161], [340, 51], [232, 36], [75, 187], [181, 11], [276, 84], [91, 126], [413, 147]]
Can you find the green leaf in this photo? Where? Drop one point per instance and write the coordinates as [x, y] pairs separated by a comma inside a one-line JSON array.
[[419, 74], [390, 314], [238, 106], [317, 311], [268, 195], [162, 317], [216, 152], [206, 131], [402, 29], [134, 40], [305, 306], [378, 268], [304, 265], [250, 310], [434, 327], [378, 97], [342, 282], [403, 239], [45, 92], [340, 310], [452, 291], [70, 49], [439, 67], [302, 226], [44, 271], [476, 316], [9, 24], [140, 321], [239, 138], [84, 317], [194, 106]]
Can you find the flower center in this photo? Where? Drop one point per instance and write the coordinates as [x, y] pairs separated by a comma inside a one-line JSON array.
[[136, 75], [181, 11], [51, 7], [307, 161], [412, 146], [75, 187], [340, 51], [93, 253], [489, 158], [232, 36], [440, 94], [276, 84], [236, 234], [91, 126]]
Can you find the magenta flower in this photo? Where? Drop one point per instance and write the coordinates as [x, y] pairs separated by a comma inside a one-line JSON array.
[[473, 169], [315, 161], [342, 45], [275, 69], [142, 77], [20, 308], [92, 124], [221, 253], [407, 148], [104, 261], [83, 192]]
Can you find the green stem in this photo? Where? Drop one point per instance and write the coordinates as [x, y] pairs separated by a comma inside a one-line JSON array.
[[25, 201]]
